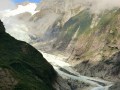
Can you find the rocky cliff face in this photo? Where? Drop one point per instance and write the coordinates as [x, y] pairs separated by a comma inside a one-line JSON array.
[[22, 67], [92, 40]]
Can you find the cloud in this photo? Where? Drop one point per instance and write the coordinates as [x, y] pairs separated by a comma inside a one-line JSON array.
[[97, 6], [6, 4]]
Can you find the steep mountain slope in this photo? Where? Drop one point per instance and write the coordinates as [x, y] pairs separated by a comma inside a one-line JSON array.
[[93, 41], [42, 25], [22, 67]]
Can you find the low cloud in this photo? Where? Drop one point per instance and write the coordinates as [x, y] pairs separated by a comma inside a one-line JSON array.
[[6, 4], [97, 6]]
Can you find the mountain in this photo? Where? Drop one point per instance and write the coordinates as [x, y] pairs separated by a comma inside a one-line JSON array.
[[90, 39], [22, 67], [94, 43], [87, 34]]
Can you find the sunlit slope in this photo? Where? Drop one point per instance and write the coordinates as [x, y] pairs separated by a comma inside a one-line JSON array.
[[93, 40]]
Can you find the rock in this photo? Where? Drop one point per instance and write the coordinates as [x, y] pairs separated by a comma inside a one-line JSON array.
[[116, 86]]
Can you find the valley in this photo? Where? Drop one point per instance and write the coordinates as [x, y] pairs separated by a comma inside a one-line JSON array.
[[67, 72], [80, 40]]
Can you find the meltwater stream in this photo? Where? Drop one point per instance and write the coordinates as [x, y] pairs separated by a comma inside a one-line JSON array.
[[66, 71]]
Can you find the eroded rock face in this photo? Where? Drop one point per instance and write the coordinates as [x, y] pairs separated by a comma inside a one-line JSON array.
[[106, 69], [96, 42], [97, 47]]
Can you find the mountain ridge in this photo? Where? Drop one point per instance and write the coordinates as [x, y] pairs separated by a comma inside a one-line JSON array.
[[22, 66]]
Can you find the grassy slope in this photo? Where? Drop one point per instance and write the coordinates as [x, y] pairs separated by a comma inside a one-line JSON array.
[[80, 22], [28, 66]]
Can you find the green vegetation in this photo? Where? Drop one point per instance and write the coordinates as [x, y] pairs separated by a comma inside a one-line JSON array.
[[108, 22], [80, 22], [26, 64], [107, 18]]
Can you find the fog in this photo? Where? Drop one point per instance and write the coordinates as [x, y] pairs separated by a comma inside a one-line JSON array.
[[6, 4], [97, 6]]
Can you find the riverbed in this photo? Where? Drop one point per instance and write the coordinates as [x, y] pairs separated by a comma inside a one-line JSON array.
[[66, 71]]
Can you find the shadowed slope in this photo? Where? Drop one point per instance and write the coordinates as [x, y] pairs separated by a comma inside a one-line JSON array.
[[22, 65]]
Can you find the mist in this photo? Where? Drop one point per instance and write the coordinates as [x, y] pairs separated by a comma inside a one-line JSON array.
[[6, 4], [97, 6]]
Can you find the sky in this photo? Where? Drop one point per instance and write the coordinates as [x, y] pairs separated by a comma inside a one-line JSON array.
[[19, 1], [10, 4]]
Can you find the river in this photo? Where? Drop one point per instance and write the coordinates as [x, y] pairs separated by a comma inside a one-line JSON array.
[[66, 71]]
